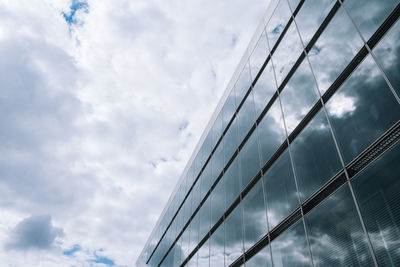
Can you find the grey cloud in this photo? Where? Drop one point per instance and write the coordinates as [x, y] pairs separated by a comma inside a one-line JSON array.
[[34, 232]]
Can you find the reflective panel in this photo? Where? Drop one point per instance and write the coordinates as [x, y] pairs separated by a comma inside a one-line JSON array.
[[249, 160], [177, 253], [254, 216], [377, 190], [233, 235], [230, 141], [287, 53], [185, 244], [387, 52], [264, 89], [229, 108], [193, 261], [362, 109], [243, 83], [271, 132], [290, 248], [217, 128], [217, 247], [231, 182], [203, 259], [280, 190], [315, 157], [205, 219], [338, 44], [196, 195], [335, 233], [169, 260], [217, 202], [261, 259], [194, 232], [369, 14], [217, 161], [299, 95], [206, 179], [259, 55], [246, 117], [309, 24], [293, 4], [277, 22]]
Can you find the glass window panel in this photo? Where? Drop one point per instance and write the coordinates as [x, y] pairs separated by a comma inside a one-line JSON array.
[[338, 44], [264, 89], [280, 190], [277, 22], [299, 96], [315, 156], [217, 202], [217, 162], [293, 4], [261, 259], [387, 52], [249, 160], [377, 190], [217, 247], [246, 117], [271, 132], [217, 128], [205, 218], [185, 244], [204, 255], [287, 53], [196, 195], [309, 24], [194, 232], [335, 233], [178, 253], [206, 179], [193, 261], [243, 83], [254, 216], [369, 14], [290, 248], [188, 207], [229, 108], [259, 55], [362, 109], [233, 235], [230, 141], [169, 260], [231, 181]]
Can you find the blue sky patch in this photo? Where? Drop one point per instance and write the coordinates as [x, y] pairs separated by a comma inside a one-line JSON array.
[[71, 251], [101, 259], [75, 6]]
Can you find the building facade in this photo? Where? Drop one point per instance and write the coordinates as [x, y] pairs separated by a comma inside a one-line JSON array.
[[300, 163]]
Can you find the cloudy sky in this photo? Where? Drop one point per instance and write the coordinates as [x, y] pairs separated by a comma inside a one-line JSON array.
[[101, 105]]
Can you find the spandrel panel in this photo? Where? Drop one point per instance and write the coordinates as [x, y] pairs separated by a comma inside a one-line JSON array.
[[230, 141], [290, 248], [377, 190], [254, 216], [264, 89], [217, 247], [233, 235], [259, 55], [217, 202], [243, 83], [203, 259], [298, 96], [335, 233], [315, 156], [205, 219], [369, 14], [261, 259], [249, 160], [246, 117], [287, 53], [277, 22], [280, 190], [387, 52], [362, 109], [271, 132], [308, 24], [231, 182], [338, 44]]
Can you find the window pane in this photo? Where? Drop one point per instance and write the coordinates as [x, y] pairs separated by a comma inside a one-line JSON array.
[[277, 22], [315, 156], [217, 202], [290, 248], [377, 189], [204, 255], [194, 232], [177, 253], [362, 109], [310, 17], [217, 247], [271, 132], [254, 218], [196, 195], [338, 44], [369, 14], [259, 55], [335, 232], [233, 236], [206, 179], [264, 89], [243, 84], [280, 190], [231, 181], [217, 160], [192, 262], [229, 108], [287, 53], [249, 160], [261, 259], [205, 217], [294, 4], [388, 54], [246, 117], [299, 95], [230, 141]]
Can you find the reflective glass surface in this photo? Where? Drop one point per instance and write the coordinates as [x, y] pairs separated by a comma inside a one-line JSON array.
[[254, 216], [362, 109], [280, 190], [259, 55], [233, 235], [293, 4], [264, 89], [249, 160], [217, 247], [335, 233], [230, 141], [277, 22], [196, 195], [203, 259], [229, 108], [206, 179], [246, 117], [231, 182], [194, 232], [217, 160], [338, 44], [315, 157], [369, 14], [193, 261], [243, 83], [261, 259], [217, 202], [377, 190], [290, 248], [205, 219], [299, 95]]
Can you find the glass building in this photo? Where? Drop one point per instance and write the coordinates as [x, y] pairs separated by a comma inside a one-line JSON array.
[[300, 163]]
